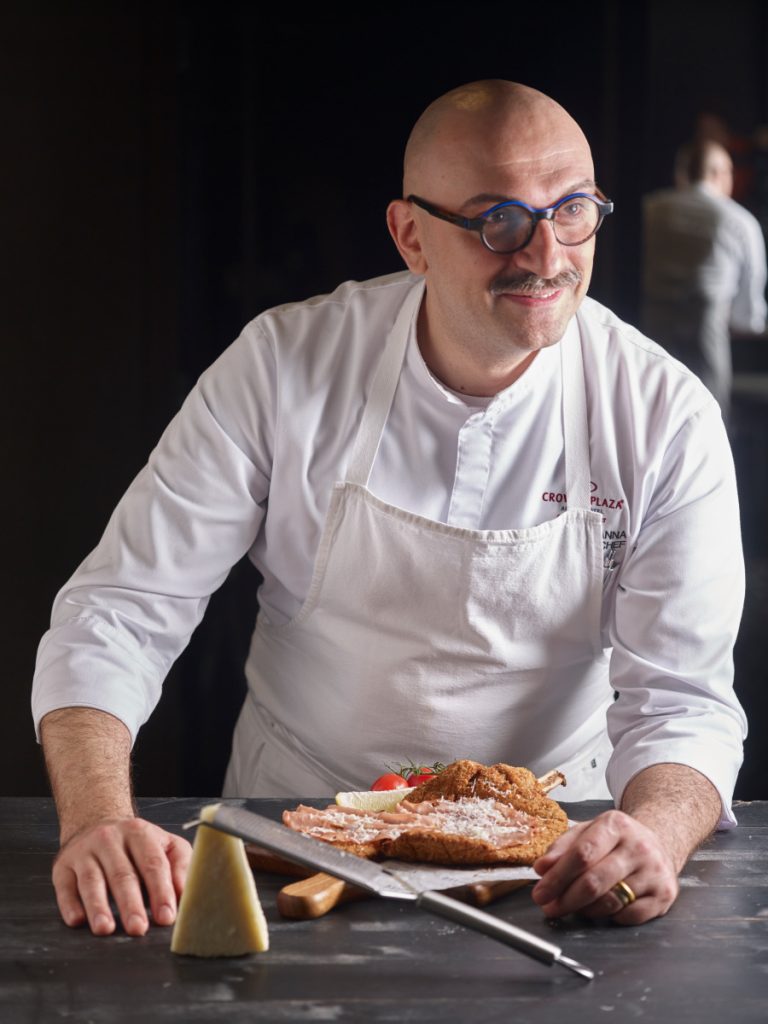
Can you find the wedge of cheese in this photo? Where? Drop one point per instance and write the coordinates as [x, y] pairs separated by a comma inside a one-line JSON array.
[[219, 913]]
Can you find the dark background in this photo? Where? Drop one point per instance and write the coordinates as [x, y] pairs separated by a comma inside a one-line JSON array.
[[169, 170]]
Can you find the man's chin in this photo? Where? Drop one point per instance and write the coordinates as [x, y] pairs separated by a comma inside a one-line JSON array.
[[536, 330]]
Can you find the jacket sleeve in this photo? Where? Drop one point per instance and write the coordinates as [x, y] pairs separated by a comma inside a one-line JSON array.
[[748, 312], [677, 610], [192, 512]]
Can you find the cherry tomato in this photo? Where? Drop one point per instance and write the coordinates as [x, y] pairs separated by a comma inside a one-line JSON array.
[[417, 778], [391, 781]]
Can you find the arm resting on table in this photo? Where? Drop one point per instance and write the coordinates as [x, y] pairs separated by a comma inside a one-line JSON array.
[[667, 810], [105, 847]]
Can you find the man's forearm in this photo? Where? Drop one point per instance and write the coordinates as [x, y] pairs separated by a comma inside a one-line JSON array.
[[87, 753], [676, 802], [668, 809]]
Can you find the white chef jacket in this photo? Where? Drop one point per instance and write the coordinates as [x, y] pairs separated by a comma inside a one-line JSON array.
[[704, 274], [249, 463]]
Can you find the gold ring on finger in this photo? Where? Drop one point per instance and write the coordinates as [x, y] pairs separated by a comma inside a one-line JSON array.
[[624, 893]]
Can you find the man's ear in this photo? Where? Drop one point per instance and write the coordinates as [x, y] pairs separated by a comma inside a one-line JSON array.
[[405, 232]]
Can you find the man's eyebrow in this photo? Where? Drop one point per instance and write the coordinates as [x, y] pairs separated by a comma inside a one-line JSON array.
[[488, 199], [582, 186], [484, 198]]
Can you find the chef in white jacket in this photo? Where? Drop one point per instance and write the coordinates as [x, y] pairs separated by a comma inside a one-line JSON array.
[[482, 506]]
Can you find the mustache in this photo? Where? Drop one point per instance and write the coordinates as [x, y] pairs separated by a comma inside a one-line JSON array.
[[526, 283]]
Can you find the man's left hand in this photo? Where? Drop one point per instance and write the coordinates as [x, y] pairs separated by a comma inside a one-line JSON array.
[[582, 867]]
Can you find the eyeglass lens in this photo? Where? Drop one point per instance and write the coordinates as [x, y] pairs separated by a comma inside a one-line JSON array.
[[510, 227]]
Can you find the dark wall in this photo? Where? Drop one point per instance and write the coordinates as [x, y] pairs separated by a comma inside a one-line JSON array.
[[170, 169], [89, 271]]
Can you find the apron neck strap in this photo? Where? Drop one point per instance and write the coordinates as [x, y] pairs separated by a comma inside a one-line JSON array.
[[575, 421], [382, 391]]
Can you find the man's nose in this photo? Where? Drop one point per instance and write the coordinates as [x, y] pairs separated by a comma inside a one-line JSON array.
[[543, 255]]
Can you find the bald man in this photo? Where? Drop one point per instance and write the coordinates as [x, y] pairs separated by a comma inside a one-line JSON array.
[[493, 521], [704, 270]]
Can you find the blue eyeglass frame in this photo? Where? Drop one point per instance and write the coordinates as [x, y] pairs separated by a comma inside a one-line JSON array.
[[604, 208]]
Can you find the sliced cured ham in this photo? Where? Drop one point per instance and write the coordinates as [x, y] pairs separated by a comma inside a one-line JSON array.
[[469, 814]]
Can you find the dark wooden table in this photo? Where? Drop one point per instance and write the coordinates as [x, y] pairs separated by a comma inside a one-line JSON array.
[[377, 960]]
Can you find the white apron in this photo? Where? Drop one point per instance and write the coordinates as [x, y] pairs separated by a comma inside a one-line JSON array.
[[433, 642]]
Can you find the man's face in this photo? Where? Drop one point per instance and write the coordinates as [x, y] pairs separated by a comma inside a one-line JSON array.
[[503, 307]]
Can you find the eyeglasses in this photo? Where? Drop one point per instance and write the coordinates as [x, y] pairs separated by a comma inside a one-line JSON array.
[[509, 226]]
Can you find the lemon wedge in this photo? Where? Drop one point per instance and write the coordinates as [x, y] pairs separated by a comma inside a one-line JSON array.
[[373, 799]]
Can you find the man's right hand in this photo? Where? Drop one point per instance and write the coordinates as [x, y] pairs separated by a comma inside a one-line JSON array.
[[105, 849], [117, 857]]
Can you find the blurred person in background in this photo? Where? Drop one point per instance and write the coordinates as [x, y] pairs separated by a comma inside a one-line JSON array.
[[704, 271]]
